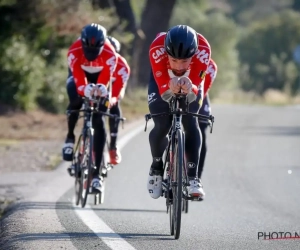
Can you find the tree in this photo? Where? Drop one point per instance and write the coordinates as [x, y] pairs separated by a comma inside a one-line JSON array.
[[155, 18], [102, 4], [296, 5], [266, 52], [245, 11]]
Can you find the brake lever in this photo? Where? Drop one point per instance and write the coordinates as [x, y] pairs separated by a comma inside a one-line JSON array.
[[212, 120], [147, 118]]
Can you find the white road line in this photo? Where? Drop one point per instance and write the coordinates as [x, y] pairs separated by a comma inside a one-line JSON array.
[[103, 231], [95, 223]]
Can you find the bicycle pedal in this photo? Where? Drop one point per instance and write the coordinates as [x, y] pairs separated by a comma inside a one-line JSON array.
[[71, 172]]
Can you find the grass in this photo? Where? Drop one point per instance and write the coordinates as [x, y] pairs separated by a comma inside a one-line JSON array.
[[53, 162], [38, 125], [3, 206], [8, 142]]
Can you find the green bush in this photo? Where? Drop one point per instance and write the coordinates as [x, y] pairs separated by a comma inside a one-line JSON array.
[[266, 52], [21, 73], [52, 96]]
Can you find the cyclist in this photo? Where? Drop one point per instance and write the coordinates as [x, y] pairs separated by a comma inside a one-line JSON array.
[[92, 61], [210, 76], [179, 59], [119, 83]]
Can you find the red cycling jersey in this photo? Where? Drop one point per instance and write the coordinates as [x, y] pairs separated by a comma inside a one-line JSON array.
[[210, 76], [104, 64], [161, 68], [120, 76]]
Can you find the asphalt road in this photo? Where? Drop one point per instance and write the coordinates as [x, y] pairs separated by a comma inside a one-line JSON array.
[[251, 179]]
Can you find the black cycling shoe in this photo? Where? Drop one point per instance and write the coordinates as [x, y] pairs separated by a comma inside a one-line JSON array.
[[67, 150], [97, 185]]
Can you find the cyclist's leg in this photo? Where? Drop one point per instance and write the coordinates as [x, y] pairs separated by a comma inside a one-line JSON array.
[[193, 140], [99, 144], [114, 153], [75, 103], [205, 110], [157, 138]]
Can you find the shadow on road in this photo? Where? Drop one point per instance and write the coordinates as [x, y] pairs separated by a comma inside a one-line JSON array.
[[68, 205], [83, 236]]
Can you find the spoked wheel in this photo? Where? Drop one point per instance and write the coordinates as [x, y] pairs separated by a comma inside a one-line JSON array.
[[177, 185], [78, 190], [77, 164], [171, 220], [87, 172]]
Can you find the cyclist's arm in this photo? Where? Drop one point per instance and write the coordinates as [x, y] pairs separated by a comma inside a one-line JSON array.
[[158, 61], [79, 77], [110, 62], [121, 74], [211, 74]]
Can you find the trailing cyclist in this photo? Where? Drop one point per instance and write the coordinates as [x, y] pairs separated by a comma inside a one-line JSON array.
[[92, 61], [119, 83], [210, 76], [179, 59]]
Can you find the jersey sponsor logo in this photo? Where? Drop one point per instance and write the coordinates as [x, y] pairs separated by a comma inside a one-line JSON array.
[[157, 54], [191, 165], [202, 74], [123, 73], [81, 88], [211, 71], [158, 73], [151, 96], [71, 57], [202, 56], [207, 108], [112, 63]]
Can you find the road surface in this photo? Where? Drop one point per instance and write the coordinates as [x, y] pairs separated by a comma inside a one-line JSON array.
[[251, 179]]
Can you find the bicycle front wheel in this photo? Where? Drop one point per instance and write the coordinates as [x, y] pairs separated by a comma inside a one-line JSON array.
[[89, 167], [77, 164], [177, 184]]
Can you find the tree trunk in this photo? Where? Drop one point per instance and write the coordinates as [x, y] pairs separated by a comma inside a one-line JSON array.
[[102, 4], [125, 13], [155, 19], [296, 5]]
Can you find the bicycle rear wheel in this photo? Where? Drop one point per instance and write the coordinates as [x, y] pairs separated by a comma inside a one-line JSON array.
[[177, 185], [77, 164], [88, 168]]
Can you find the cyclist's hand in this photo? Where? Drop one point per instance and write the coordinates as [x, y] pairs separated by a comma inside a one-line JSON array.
[[88, 90], [186, 84], [174, 85], [99, 90], [113, 101]]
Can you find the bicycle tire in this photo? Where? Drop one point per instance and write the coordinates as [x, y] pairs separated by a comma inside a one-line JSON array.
[[77, 164], [185, 202], [89, 167], [177, 189], [171, 220]]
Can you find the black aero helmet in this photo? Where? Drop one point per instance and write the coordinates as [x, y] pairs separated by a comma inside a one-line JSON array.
[[115, 43], [92, 39], [181, 42]]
